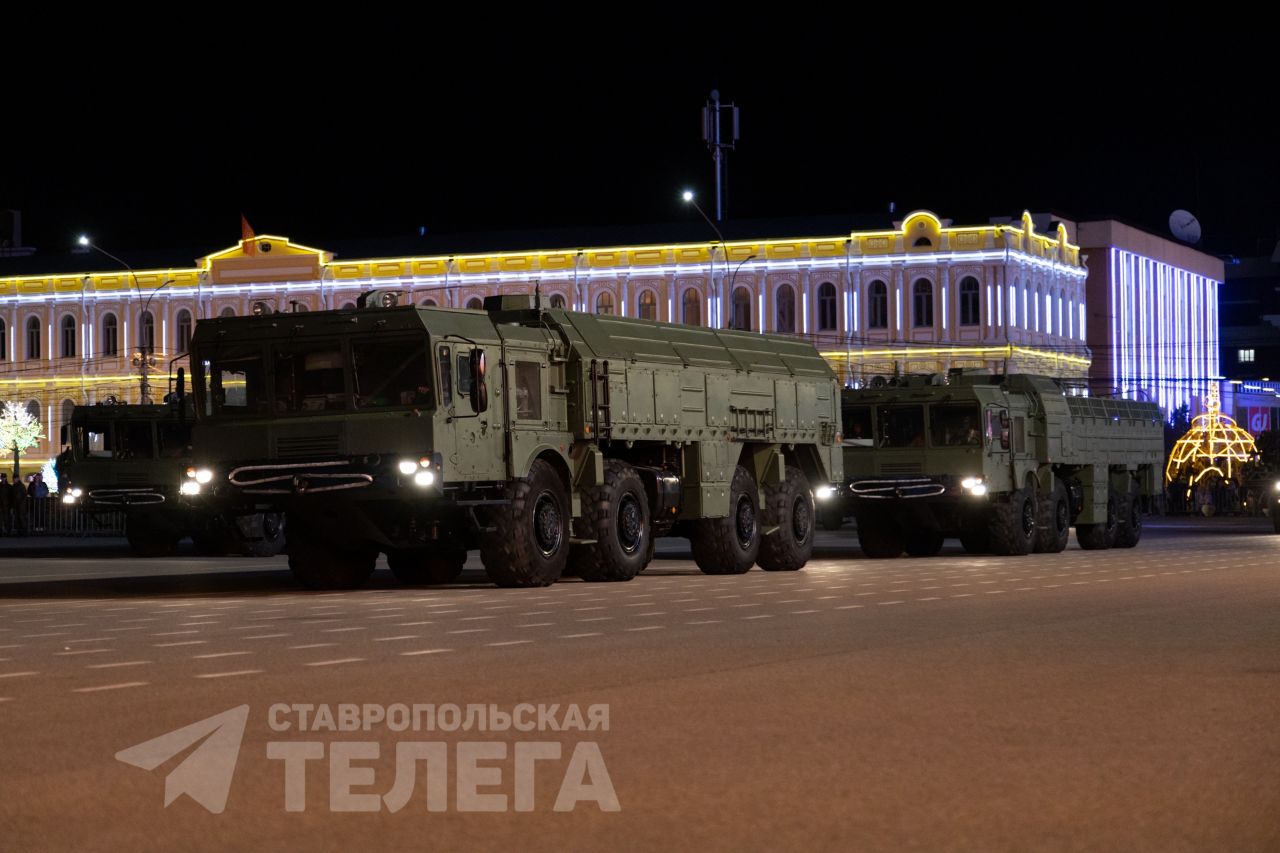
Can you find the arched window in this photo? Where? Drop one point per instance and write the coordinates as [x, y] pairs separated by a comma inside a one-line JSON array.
[[922, 303], [878, 306], [147, 332], [33, 338], [67, 329], [970, 311], [827, 313], [426, 303], [691, 308], [4, 341], [475, 303], [228, 312], [299, 307], [740, 313], [557, 301], [110, 335], [184, 330], [648, 305], [604, 303], [350, 306], [785, 300], [33, 409]]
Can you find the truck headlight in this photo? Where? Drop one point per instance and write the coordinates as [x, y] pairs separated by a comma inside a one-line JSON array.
[[68, 498], [190, 487], [1278, 485], [407, 466], [75, 493], [974, 486], [824, 493], [424, 478]]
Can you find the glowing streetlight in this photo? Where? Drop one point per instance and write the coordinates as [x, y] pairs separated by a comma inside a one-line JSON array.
[[143, 359], [687, 195]]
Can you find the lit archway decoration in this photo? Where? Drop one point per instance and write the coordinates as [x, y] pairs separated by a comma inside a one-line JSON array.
[[1214, 444]]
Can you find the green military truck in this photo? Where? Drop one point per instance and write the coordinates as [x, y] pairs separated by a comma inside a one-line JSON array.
[[132, 459], [1005, 463], [547, 439]]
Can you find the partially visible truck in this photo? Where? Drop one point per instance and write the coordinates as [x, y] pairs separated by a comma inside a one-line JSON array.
[[1008, 464], [132, 459]]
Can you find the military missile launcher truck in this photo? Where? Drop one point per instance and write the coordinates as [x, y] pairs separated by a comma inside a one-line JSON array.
[[545, 438], [1005, 463], [132, 459]]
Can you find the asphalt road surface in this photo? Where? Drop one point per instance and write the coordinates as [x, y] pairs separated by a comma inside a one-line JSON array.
[[1127, 699]]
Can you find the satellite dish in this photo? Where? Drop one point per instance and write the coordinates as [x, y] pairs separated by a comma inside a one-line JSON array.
[[1184, 226]]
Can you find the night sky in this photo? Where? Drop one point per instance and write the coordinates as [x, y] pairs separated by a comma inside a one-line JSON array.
[[553, 127]]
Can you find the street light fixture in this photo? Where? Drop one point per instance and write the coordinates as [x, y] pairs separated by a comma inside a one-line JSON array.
[[687, 195], [142, 359]]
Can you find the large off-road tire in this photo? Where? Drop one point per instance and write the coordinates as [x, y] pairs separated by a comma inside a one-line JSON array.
[[318, 563], [150, 537], [923, 543], [1128, 519], [879, 536], [730, 545], [1013, 524], [1053, 527], [529, 545], [976, 540], [427, 566], [616, 515], [1099, 537], [789, 507]]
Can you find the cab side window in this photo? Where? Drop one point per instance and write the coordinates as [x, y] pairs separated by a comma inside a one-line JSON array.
[[528, 391], [446, 377]]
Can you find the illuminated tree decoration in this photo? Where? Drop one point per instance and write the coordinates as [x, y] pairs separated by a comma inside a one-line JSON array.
[[18, 431], [1213, 445]]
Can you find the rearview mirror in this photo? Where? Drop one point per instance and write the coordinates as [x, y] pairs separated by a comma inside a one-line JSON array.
[[479, 390]]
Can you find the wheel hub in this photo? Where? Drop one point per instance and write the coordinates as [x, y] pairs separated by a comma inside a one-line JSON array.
[[801, 519], [745, 521], [547, 530], [630, 529]]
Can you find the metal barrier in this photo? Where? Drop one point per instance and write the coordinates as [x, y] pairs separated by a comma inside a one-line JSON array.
[[51, 517]]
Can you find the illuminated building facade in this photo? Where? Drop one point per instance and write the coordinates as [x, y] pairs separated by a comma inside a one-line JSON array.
[[923, 296], [1152, 315]]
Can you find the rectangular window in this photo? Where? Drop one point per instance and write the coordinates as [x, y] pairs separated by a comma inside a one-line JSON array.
[[446, 377], [134, 441], [900, 426], [528, 391], [1244, 355], [94, 440], [237, 382], [856, 422], [954, 425], [464, 375], [395, 372], [309, 377], [1019, 434]]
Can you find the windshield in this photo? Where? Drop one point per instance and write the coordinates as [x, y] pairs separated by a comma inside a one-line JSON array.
[[315, 376], [857, 426], [93, 439], [235, 382], [900, 426], [392, 372], [954, 425]]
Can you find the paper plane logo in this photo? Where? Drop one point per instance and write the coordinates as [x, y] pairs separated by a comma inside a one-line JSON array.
[[205, 774]]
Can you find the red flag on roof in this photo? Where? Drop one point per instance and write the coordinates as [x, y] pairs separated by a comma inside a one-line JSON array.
[[246, 237]]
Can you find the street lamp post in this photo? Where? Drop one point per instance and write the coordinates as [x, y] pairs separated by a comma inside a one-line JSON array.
[[142, 359], [724, 251]]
